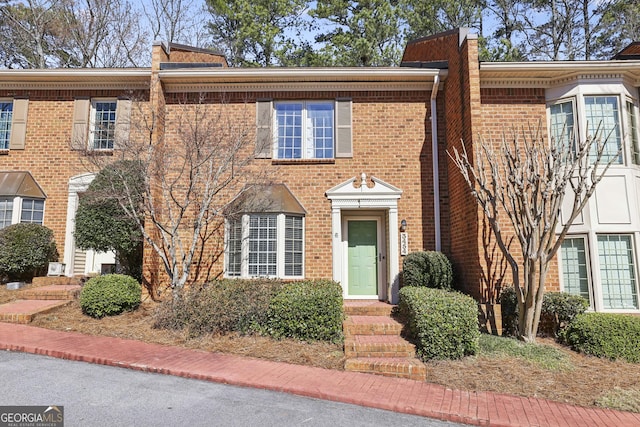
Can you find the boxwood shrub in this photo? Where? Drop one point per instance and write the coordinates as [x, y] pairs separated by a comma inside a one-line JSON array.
[[431, 269], [307, 310], [221, 306], [558, 310], [606, 335], [443, 324], [25, 251], [109, 295]]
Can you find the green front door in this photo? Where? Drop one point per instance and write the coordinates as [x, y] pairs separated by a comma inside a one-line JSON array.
[[363, 257]]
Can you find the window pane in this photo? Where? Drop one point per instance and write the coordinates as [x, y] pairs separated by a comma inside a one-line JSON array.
[[293, 244], [103, 125], [603, 122], [617, 272], [633, 133], [6, 115], [234, 248], [6, 212], [32, 211], [289, 125], [262, 245], [320, 136], [562, 124], [575, 275]]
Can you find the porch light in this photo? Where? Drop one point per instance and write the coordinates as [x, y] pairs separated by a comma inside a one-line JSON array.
[[403, 225]]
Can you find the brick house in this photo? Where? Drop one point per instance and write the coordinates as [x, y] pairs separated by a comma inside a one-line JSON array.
[[360, 174]]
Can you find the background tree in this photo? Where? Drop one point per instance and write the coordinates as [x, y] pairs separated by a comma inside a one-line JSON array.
[[177, 21], [527, 179], [360, 33], [102, 225], [424, 18], [253, 33]]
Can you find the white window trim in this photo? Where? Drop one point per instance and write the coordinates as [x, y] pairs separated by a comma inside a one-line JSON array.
[[304, 136], [280, 247], [92, 123]]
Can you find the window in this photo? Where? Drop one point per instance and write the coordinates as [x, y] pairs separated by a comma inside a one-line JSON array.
[[575, 272], [562, 127], [6, 116], [32, 211], [304, 130], [6, 211], [633, 131], [103, 123], [617, 272], [265, 245], [602, 115]]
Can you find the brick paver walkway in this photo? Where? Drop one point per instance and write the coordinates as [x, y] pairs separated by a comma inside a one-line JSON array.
[[400, 395]]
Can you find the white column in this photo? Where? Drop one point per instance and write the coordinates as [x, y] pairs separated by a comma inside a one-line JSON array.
[[336, 241], [69, 241], [394, 272]]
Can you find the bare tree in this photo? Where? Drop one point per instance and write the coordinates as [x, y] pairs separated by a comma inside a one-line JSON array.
[[178, 21], [527, 179], [188, 178]]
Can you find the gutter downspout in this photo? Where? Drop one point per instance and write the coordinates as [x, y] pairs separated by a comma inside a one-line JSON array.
[[434, 151]]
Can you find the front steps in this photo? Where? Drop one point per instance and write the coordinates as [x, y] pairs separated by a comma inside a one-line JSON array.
[[372, 342], [45, 294]]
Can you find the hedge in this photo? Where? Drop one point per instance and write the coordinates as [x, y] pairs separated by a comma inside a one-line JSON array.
[[109, 295], [443, 324], [606, 335], [309, 310], [219, 307], [25, 251], [431, 269]]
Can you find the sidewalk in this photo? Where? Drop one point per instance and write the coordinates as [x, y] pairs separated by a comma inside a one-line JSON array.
[[400, 395]]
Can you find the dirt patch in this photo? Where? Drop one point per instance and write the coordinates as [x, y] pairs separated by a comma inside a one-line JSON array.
[[584, 383]]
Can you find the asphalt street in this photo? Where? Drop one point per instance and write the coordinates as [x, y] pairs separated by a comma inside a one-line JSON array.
[[96, 395]]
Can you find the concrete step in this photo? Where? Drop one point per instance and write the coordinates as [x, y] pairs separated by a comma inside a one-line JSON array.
[[51, 292], [410, 368], [57, 280], [367, 308], [378, 346], [23, 311], [371, 325]]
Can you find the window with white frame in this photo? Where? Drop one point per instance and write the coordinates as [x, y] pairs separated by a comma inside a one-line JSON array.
[[632, 123], [304, 130], [15, 210], [6, 116], [617, 272], [602, 114], [562, 124], [103, 123], [6, 211], [32, 211], [575, 267], [265, 245]]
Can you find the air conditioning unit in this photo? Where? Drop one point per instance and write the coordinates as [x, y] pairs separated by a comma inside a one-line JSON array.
[[56, 269]]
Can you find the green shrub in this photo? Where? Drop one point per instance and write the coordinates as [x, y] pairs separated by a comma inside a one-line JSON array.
[[431, 269], [222, 306], [308, 310], [606, 335], [25, 251], [443, 324], [109, 295], [558, 310]]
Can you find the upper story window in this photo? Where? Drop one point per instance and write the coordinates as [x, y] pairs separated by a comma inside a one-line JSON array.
[[305, 130], [6, 116], [100, 124], [600, 116], [103, 124], [299, 130]]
